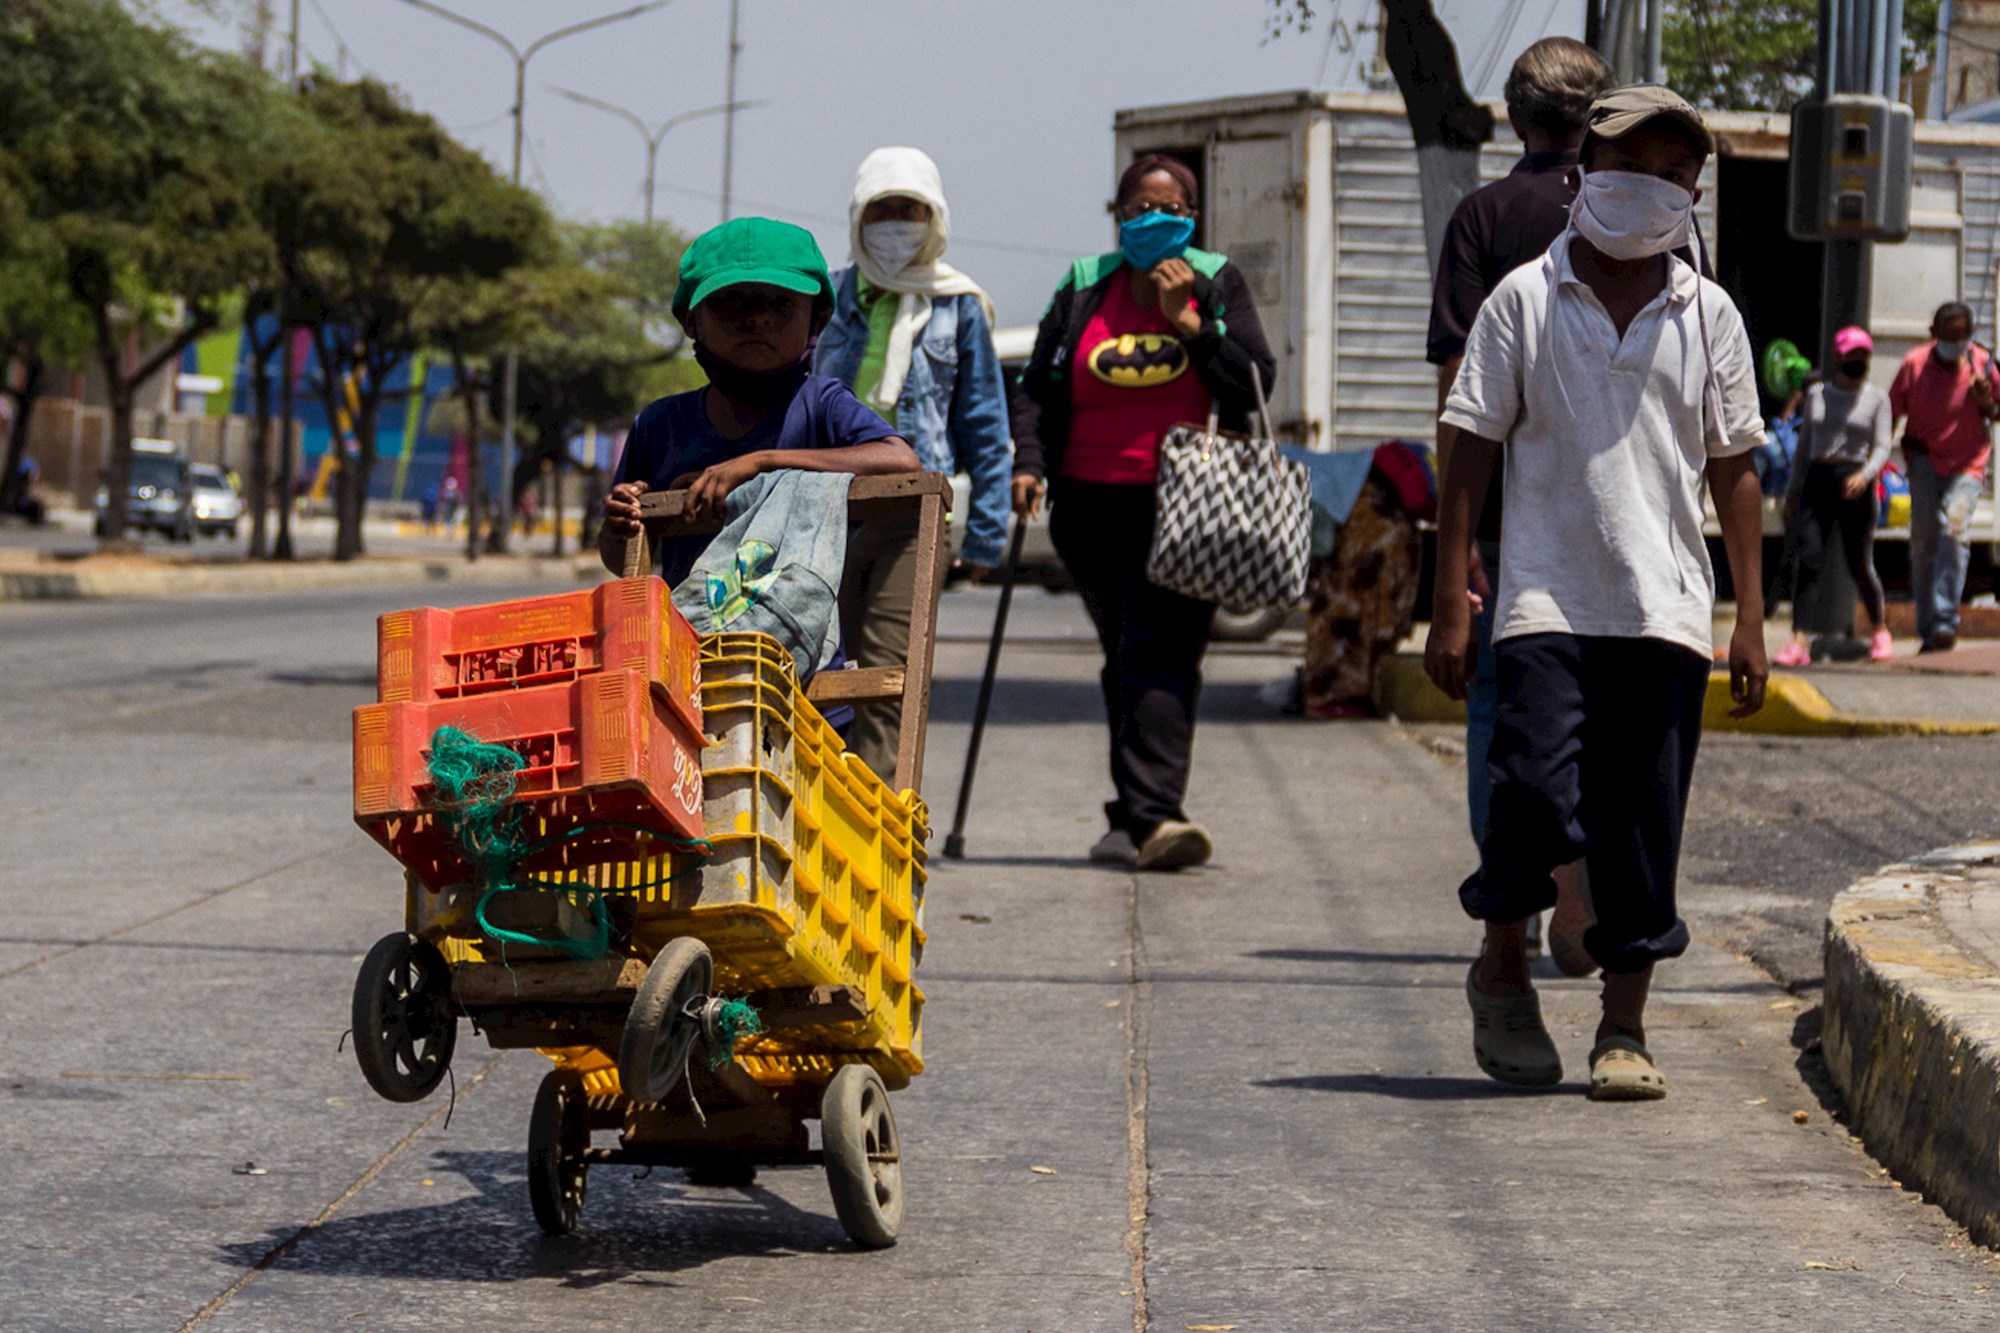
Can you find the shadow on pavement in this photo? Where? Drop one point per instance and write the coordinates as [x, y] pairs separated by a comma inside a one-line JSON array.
[[1361, 956], [1043, 700], [632, 1230], [1435, 1088]]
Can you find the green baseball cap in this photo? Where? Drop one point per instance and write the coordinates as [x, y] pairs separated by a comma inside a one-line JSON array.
[[751, 250]]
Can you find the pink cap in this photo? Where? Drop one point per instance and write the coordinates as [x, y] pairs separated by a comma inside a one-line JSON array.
[[1853, 338]]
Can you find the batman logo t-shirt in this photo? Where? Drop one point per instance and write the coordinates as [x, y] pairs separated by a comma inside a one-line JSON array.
[[1138, 360], [1134, 383]]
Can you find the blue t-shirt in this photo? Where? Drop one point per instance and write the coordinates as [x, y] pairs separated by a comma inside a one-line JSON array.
[[674, 437]]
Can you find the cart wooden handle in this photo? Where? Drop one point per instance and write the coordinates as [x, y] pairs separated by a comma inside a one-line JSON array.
[[928, 494]]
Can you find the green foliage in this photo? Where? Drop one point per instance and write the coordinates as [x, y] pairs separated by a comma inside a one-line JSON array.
[[604, 341], [400, 224], [1761, 55], [133, 145]]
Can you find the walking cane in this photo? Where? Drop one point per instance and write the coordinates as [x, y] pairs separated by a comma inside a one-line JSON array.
[[954, 842]]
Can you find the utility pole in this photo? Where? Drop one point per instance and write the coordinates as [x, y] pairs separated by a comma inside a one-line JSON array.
[[729, 117], [510, 388], [652, 137], [1860, 51], [281, 547]]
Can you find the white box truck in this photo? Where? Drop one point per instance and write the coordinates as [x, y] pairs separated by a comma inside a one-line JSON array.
[[1314, 195]]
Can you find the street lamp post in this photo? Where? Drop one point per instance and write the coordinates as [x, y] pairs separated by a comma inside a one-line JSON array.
[[521, 56], [653, 137]]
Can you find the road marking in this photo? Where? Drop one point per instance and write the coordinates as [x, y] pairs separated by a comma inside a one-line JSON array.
[[1138, 1047], [284, 1248], [164, 1078], [158, 917]]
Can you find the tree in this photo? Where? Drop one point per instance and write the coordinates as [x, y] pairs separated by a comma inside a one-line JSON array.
[[293, 145], [604, 332], [133, 140], [472, 320], [1760, 55], [39, 326], [1732, 55], [398, 208]]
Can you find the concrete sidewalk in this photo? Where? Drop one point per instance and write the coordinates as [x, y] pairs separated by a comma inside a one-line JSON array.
[[1913, 1024], [1240, 1096]]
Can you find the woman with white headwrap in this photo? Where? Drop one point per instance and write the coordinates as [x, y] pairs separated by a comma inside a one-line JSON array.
[[913, 337]]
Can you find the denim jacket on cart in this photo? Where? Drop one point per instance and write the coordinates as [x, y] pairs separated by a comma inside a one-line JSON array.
[[953, 408]]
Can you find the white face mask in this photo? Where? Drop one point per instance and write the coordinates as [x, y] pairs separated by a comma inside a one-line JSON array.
[[1951, 351], [1630, 215], [894, 244]]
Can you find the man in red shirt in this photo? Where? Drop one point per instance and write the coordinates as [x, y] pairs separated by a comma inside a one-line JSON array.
[[1946, 393]]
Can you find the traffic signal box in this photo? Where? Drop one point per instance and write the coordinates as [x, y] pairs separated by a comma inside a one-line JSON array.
[[1850, 169]]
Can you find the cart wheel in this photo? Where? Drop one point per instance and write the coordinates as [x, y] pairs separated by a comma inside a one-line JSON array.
[[660, 1032], [404, 1027], [864, 1163], [558, 1134]]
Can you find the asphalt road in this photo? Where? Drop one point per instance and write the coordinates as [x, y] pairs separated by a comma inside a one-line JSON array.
[[1248, 1088]]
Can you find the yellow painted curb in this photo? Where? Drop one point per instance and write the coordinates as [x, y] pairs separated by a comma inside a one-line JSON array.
[[1792, 707]]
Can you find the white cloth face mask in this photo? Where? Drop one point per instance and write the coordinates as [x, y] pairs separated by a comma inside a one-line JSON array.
[[1630, 215], [894, 244]]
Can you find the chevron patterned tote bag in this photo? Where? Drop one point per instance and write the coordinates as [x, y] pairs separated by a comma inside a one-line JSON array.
[[1235, 517]]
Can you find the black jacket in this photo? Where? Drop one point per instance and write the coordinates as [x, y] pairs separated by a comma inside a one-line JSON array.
[[1230, 342]]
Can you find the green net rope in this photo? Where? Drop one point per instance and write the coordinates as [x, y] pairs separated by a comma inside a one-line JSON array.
[[474, 782], [736, 1022]]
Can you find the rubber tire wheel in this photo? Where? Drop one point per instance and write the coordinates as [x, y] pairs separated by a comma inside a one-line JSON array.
[[721, 1174], [1247, 626], [856, 1125], [658, 1038], [558, 1134], [404, 1026]]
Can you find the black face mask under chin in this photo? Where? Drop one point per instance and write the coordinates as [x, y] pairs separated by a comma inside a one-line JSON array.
[[754, 388]]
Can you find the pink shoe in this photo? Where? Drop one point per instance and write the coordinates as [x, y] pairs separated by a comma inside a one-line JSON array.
[[1793, 654], [1881, 648]]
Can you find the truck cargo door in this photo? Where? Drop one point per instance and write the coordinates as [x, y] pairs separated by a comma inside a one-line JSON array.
[[1253, 218]]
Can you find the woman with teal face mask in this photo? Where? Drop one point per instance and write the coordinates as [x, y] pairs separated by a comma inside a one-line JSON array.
[[1136, 342]]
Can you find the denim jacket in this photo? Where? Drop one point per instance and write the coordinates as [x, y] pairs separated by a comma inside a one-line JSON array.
[[953, 408]]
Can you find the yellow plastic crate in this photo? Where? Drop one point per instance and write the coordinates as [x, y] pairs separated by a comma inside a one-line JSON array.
[[816, 878]]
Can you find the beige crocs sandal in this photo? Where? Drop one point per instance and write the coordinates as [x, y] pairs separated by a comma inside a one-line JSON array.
[[1509, 1039], [1621, 1070]]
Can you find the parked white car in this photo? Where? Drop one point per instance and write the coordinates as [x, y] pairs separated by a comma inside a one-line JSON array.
[[218, 509]]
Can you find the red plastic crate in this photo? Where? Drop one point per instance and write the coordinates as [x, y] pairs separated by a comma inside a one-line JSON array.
[[603, 748], [427, 655]]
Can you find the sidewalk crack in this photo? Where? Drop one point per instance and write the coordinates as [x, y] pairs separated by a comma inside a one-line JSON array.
[[1138, 1043]]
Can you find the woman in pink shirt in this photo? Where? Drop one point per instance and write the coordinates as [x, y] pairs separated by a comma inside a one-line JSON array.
[[1134, 343]]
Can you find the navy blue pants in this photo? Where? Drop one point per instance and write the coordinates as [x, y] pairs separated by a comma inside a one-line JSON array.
[[1593, 752]]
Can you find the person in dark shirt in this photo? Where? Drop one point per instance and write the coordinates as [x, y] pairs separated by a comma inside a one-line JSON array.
[[1497, 229], [753, 296]]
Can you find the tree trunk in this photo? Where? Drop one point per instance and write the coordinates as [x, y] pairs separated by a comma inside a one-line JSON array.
[[12, 488], [353, 538], [1446, 123], [332, 395], [468, 392], [118, 466], [259, 498], [556, 507], [118, 457]]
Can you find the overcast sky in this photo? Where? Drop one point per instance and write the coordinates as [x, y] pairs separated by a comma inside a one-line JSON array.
[[1014, 98]]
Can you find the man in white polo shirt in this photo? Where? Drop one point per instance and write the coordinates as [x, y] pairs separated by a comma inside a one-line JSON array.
[[1608, 381]]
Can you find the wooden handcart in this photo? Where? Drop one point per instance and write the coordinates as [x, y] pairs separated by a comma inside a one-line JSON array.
[[807, 907]]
